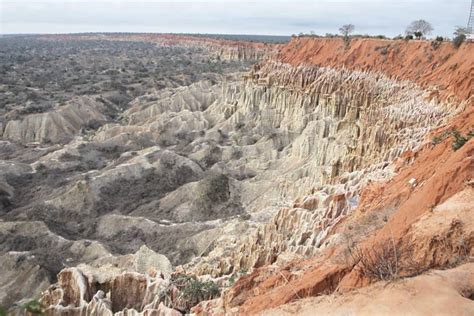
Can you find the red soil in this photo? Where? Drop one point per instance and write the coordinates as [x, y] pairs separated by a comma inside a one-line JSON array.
[[450, 70]]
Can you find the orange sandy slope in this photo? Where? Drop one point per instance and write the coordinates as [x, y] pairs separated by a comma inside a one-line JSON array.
[[448, 69]]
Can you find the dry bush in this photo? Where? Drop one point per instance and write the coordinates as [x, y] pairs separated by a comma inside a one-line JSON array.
[[380, 262], [186, 291], [385, 260]]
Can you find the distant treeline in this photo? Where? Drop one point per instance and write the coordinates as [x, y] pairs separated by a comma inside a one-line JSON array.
[[271, 39]]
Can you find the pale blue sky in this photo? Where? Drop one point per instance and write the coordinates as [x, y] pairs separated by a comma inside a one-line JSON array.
[[229, 16]]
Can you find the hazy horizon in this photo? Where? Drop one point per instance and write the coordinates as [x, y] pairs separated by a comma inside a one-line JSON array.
[[237, 17], [172, 33]]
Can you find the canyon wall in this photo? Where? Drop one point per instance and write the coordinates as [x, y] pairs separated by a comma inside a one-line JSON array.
[[393, 209], [219, 48], [438, 67]]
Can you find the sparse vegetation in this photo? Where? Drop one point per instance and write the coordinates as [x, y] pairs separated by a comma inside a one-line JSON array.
[[196, 291], [212, 193], [190, 292], [380, 262], [439, 138], [214, 199], [331, 35], [437, 42], [460, 140], [34, 307], [383, 50], [214, 189], [40, 73]]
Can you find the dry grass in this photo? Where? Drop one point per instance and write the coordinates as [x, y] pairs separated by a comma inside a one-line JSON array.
[[380, 262]]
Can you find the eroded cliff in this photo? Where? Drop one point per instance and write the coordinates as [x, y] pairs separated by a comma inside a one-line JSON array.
[[391, 231]]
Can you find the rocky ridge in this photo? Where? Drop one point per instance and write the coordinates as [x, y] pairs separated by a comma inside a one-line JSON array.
[[220, 48]]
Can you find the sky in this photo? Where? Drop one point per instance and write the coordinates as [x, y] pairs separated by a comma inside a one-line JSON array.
[[277, 17]]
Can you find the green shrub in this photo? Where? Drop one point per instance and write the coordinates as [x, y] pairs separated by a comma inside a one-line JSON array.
[[191, 291], [459, 140], [458, 40], [439, 138], [435, 44], [436, 140], [196, 291], [34, 307], [213, 189]]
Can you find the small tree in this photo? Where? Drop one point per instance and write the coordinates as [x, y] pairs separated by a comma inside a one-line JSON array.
[[460, 34], [345, 31], [419, 28], [460, 30], [458, 40]]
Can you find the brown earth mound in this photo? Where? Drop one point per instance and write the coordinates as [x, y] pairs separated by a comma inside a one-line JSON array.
[[437, 293]]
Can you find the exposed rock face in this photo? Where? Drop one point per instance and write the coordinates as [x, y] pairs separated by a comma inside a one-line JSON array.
[[112, 285], [87, 179], [346, 126], [59, 125], [19, 269], [225, 49], [129, 293]]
